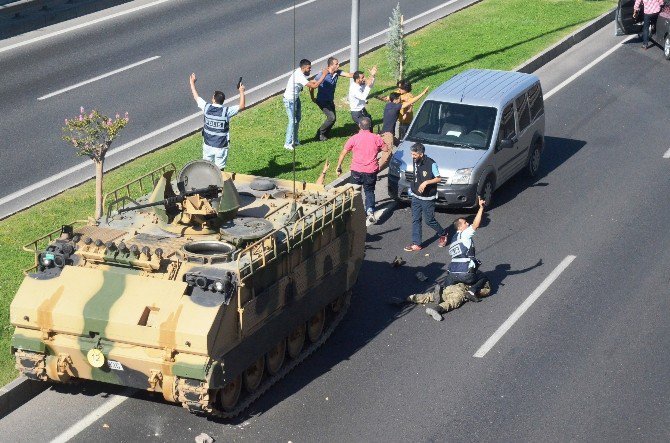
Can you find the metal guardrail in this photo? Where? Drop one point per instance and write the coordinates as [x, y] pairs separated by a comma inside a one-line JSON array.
[[260, 253], [129, 192]]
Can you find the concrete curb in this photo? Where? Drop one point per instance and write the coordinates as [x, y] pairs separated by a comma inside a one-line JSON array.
[[18, 392], [21, 390], [568, 42]]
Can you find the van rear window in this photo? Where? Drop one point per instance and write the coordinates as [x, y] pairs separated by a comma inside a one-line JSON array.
[[453, 124]]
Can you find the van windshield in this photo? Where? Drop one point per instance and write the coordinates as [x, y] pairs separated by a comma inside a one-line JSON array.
[[453, 124]]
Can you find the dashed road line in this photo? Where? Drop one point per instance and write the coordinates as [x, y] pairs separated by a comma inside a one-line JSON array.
[[294, 7], [667, 154], [79, 167], [99, 77], [486, 347], [80, 26], [574, 76]]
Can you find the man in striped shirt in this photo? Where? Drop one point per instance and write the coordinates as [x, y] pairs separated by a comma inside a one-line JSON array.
[[651, 11]]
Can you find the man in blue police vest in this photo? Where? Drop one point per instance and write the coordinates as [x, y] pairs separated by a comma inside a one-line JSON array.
[[216, 137], [464, 265]]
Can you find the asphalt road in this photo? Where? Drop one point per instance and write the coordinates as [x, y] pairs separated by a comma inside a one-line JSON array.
[[588, 361], [219, 40]]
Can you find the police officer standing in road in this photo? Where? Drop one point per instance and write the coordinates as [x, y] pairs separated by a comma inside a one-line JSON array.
[[216, 137], [423, 192]]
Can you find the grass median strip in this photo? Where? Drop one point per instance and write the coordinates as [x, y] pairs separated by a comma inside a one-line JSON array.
[[496, 34]]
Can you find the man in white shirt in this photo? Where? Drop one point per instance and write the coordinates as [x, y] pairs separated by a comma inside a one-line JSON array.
[[215, 130], [296, 82], [359, 89]]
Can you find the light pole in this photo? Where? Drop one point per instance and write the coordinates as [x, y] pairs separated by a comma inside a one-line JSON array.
[[353, 53]]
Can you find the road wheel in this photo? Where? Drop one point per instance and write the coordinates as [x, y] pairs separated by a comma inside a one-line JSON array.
[[315, 325], [486, 191], [534, 160], [275, 358], [254, 374], [666, 47], [230, 393], [295, 341]]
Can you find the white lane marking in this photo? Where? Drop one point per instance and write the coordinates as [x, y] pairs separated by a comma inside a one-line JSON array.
[[667, 154], [100, 77], [80, 26], [121, 148], [295, 7], [486, 347], [93, 416], [584, 69]]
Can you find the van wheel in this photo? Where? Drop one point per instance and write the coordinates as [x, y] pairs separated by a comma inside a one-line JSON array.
[[486, 191], [534, 160], [666, 47]]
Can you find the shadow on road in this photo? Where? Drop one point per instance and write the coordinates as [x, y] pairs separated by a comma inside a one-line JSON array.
[[557, 150]]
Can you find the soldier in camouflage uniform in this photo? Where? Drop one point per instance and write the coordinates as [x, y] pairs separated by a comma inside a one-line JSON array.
[[450, 298]]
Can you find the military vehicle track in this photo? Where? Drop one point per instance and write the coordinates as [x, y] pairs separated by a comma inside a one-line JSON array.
[[194, 395]]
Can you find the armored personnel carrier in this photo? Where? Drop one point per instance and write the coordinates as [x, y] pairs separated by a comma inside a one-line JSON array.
[[207, 293]]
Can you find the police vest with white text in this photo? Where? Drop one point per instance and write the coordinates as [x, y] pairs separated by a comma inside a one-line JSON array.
[[215, 128], [461, 257]]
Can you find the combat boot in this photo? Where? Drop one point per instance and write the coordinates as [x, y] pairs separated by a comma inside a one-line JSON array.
[[472, 297], [435, 312]]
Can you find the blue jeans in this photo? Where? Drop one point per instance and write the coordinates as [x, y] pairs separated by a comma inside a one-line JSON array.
[[292, 127], [648, 20], [368, 181], [423, 209]]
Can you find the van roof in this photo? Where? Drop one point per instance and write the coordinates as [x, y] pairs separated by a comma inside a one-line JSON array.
[[483, 87]]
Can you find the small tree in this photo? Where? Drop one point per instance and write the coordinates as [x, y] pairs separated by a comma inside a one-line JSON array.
[[91, 135], [396, 45]]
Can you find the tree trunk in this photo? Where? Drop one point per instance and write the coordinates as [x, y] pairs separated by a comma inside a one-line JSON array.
[[98, 187]]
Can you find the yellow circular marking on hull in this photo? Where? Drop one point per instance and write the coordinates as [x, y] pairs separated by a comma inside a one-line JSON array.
[[95, 358]]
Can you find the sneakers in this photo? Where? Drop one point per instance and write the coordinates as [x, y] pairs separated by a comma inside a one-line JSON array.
[[433, 313], [371, 217], [413, 248], [288, 147], [442, 242]]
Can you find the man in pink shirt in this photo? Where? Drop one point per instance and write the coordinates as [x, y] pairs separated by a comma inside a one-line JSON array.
[[364, 147], [651, 10]]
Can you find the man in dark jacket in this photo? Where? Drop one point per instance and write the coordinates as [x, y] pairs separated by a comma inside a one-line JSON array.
[[423, 192]]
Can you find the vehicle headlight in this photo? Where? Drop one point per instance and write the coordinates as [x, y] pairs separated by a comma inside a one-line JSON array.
[[462, 176]]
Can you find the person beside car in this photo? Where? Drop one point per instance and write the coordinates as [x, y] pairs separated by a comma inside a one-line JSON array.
[[651, 10]]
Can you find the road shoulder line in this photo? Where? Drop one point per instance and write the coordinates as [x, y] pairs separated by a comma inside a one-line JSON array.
[[93, 416], [497, 335]]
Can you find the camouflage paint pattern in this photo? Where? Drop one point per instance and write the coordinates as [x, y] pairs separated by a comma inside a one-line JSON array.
[[155, 328]]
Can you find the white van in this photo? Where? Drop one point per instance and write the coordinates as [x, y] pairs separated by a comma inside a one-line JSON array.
[[481, 127]]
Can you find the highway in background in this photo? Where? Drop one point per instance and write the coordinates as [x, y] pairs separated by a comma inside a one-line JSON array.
[[587, 361], [150, 53]]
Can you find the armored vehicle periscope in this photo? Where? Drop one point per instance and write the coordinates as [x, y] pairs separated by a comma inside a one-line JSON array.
[[207, 295]]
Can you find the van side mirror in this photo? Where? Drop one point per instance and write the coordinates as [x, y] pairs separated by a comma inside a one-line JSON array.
[[505, 143]]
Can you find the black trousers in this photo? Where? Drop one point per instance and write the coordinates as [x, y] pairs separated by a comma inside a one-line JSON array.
[[476, 280], [357, 115], [328, 109]]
